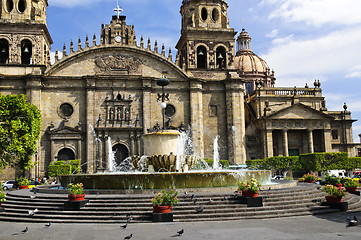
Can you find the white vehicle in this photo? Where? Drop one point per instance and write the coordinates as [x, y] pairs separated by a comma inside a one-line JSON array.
[[9, 184], [334, 173]]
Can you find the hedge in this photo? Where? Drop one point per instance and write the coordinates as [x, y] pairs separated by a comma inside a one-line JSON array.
[[258, 163], [324, 161], [284, 163], [224, 163], [61, 168], [55, 170]]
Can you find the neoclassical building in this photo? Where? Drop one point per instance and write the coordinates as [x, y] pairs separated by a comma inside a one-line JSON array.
[[102, 94]]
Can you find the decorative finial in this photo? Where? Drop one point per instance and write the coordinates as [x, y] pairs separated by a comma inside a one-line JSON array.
[[118, 10], [345, 106]]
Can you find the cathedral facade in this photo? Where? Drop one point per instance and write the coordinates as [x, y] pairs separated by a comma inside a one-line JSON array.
[[104, 96]]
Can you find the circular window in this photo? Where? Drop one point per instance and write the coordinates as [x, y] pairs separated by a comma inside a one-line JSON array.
[[21, 6], [215, 14], [9, 5], [66, 110], [169, 111], [204, 14]]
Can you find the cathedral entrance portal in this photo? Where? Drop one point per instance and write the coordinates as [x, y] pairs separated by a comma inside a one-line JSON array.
[[66, 154], [121, 153]]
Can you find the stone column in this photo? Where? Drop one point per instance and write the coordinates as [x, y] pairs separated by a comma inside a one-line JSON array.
[[101, 153], [132, 144], [52, 150], [269, 138], [196, 110], [33, 95], [79, 149], [327, 140], [106, 151], [310, 141], [235, 122], [90, 156], [138, 145], [147, 104], [285, 143]]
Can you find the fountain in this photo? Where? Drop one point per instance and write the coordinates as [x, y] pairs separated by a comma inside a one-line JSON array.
[[161, 169]]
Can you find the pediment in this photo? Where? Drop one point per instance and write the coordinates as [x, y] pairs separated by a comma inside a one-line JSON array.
[[115, 60], [299, 111], [65, 130]]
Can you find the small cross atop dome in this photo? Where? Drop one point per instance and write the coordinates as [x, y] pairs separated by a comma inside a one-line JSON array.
[[118, 10]]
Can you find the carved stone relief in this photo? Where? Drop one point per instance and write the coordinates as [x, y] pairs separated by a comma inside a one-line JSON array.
[[118, 65]]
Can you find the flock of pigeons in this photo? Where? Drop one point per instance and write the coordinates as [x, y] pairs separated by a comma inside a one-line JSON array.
[[351, 222]]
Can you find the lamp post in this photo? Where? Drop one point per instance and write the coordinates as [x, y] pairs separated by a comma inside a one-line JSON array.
[[163, 97], [36, 165]]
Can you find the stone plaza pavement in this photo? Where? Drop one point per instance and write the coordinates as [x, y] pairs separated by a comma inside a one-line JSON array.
[[330, 226]]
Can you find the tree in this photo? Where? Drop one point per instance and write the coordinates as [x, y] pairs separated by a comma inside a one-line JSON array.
[[19, 131]]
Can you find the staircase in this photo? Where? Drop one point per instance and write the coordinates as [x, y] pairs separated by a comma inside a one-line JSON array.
[[302, 200]]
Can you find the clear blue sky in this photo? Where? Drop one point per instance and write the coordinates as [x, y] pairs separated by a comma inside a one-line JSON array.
[[301, 40]]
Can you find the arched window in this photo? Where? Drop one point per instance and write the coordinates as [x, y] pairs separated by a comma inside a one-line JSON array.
[[201, 57], [121, 153], [221, 58], [9, 5], [26, 51], [66, 154], [21, 6], [4, 51]]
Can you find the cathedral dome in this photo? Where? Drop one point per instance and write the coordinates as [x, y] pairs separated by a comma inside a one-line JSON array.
[[246, 61]]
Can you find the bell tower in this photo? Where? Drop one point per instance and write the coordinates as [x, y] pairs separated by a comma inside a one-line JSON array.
[[24, 36], [207, 41]]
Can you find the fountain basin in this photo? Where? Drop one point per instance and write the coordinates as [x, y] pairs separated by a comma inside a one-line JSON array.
[[160, 143], [180, 180]]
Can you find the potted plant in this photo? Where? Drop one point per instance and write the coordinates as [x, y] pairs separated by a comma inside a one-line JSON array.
[[76, 192], [351, 185], [23, 183], [163, 201], [249, 188], [2, 198], [309, 178], [334, 194]]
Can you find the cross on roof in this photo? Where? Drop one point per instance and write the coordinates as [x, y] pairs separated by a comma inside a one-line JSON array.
[[118, 10]]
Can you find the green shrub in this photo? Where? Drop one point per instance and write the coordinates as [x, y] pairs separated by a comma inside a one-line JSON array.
[[284, 163], [258, 163], [224, 163], [64, 168], [55, 170]]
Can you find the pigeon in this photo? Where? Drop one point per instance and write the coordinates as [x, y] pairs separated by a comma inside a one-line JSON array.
[[124, 226], [180, 232], [269, 189], [32, 197], [195, 200], [224, 199], [186, 193], [48, 224], [200, 209], [32, 213], [128, 237], [192, 196], [352, 222], [129, 214], [210, 201], [130, 219], [25, 230]]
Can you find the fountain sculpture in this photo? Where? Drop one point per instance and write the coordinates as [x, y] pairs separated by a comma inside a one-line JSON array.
[[165, 165]]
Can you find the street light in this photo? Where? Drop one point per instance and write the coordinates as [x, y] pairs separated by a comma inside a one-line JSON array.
[[162, 82], [36, 165]]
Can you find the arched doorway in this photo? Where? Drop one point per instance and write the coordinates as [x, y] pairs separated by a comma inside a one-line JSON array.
[[121, 153], [66, 154]]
